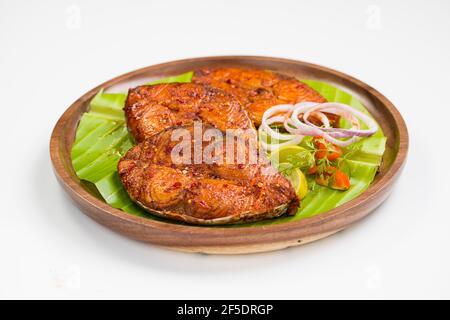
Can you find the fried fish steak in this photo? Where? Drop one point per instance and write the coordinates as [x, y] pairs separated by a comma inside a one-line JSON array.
[[153, 108], [206, 190], [258, 90]]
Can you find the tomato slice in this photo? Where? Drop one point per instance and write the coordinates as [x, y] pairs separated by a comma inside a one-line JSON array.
[[326, 149], [334, 152], [331, 177], [340, 181]]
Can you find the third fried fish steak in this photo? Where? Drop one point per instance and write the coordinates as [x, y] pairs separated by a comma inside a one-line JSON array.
[[257, 90]]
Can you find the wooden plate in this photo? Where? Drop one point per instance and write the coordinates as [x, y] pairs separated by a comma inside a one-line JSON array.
[[234, 240]]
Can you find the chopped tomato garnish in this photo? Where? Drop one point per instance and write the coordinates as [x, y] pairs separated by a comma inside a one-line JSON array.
[[326, 149], [340, 181], [334, 152], [313, 170], [331, 177]]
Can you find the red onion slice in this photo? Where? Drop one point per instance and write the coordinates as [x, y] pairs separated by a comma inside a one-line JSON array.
[[274, 146], [299, 128], [350, 114], [267, 120]]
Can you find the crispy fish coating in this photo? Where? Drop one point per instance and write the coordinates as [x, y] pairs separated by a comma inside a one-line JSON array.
[[151, 109], [257, 90], [198, 191], [212, 190]]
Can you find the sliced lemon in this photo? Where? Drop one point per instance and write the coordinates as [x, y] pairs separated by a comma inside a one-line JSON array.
[[295, 155], [298, 181]]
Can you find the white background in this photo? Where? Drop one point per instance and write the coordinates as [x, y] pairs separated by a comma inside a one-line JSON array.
[[52, 52]]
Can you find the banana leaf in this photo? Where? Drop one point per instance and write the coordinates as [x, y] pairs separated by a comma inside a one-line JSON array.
[[102, 139], [185, 77]]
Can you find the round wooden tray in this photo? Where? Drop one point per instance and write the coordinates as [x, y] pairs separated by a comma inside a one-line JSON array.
[[219, 240]]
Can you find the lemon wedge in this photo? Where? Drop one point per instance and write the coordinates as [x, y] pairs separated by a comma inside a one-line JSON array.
[[298, 180], [289, 160]]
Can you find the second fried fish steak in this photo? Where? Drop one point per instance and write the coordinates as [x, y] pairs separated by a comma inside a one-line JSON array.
[[204, 192]]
